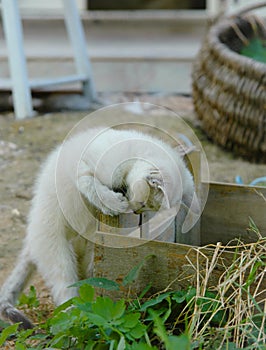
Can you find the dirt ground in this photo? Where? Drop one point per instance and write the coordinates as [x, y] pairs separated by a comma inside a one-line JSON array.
[[25, 144]]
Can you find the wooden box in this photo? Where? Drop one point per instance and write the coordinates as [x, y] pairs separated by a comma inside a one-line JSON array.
[[227, 214]]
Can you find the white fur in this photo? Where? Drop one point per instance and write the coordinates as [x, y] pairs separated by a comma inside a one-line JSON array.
[[79, 175]]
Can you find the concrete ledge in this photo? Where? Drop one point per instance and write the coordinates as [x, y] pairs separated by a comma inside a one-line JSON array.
[[114, 76], [189, 16], [140, 51]]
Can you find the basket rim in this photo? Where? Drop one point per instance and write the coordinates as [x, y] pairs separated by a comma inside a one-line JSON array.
[[248, 9], [235, 59]]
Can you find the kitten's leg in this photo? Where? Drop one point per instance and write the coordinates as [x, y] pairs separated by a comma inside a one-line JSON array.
[[102, 197], [89, 260], [13, 286], [46, 246], [56, 261]]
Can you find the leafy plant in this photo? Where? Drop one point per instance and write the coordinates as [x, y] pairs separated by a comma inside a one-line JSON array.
[[97, 323], [30, 299], [89, 322], [7, 332], [230, 316]]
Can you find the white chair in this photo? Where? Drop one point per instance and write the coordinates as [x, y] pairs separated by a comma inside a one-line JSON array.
[[19, 82]]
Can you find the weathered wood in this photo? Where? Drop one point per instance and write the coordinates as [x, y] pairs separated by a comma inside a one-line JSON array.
[[225, 217], [144, 225], [192, 237], [227, 212], [169, 264], [163, 226]]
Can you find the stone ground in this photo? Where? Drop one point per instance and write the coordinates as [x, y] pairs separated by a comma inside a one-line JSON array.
[[25, 144]]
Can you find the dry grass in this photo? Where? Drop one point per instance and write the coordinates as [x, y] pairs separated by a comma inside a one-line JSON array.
[[240, 296]]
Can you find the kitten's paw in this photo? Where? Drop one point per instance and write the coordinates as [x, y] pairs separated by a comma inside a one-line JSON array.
[[114, 204], [155, 179]]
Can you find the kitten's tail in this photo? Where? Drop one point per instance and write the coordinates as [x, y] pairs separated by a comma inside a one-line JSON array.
[[11, 289], [11, 314]]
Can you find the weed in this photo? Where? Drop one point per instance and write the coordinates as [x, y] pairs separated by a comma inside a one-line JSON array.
[[229, 316]]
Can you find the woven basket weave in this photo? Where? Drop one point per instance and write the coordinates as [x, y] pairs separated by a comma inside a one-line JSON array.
[[229, 90]]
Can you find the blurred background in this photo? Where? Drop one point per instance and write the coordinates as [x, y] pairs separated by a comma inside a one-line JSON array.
[[142, 50], [134, 46]]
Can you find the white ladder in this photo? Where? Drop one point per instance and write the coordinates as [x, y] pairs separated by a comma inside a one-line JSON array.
[[19, 81]]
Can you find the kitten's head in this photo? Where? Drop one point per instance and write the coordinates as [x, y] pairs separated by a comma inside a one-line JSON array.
[[145, 188], [163, 183]]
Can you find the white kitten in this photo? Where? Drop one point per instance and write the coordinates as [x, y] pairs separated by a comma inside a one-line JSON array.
[[112, 171]]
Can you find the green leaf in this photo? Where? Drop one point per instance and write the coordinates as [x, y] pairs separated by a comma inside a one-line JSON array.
[[7, 332], [145, 290], [180, 342], [230, 346], [64, 306], [142, 346], [97, 320], [133, 273], [168, 311], [154, 301], [179, 296], [137, 332], [211, 308], [108, 309], [59, 341], [20, 346], [170, 342], [61, 323], [190, 295], [122, 344], [3, 324], [252, 225], [90, 345], [99, 282], [29, 299], [82, 306], [131, 326], [86, 293], [25, 334], [38, 336], [160, 330], [131, 320], [119, 308]]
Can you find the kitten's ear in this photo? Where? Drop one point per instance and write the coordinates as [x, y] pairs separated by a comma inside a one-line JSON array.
[[155, 179], [182, 150], [185, 145]]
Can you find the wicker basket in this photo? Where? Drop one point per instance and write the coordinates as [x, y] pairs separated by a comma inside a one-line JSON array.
[[229, 90]]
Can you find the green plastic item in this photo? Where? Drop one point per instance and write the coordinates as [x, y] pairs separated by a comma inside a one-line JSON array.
[[256, 49]]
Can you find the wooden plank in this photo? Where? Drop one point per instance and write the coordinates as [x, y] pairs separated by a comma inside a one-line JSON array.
[[227, 211], [149, 225], [162, 226], [169, 264], [144, 225], [193, 236], [225, 217]]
